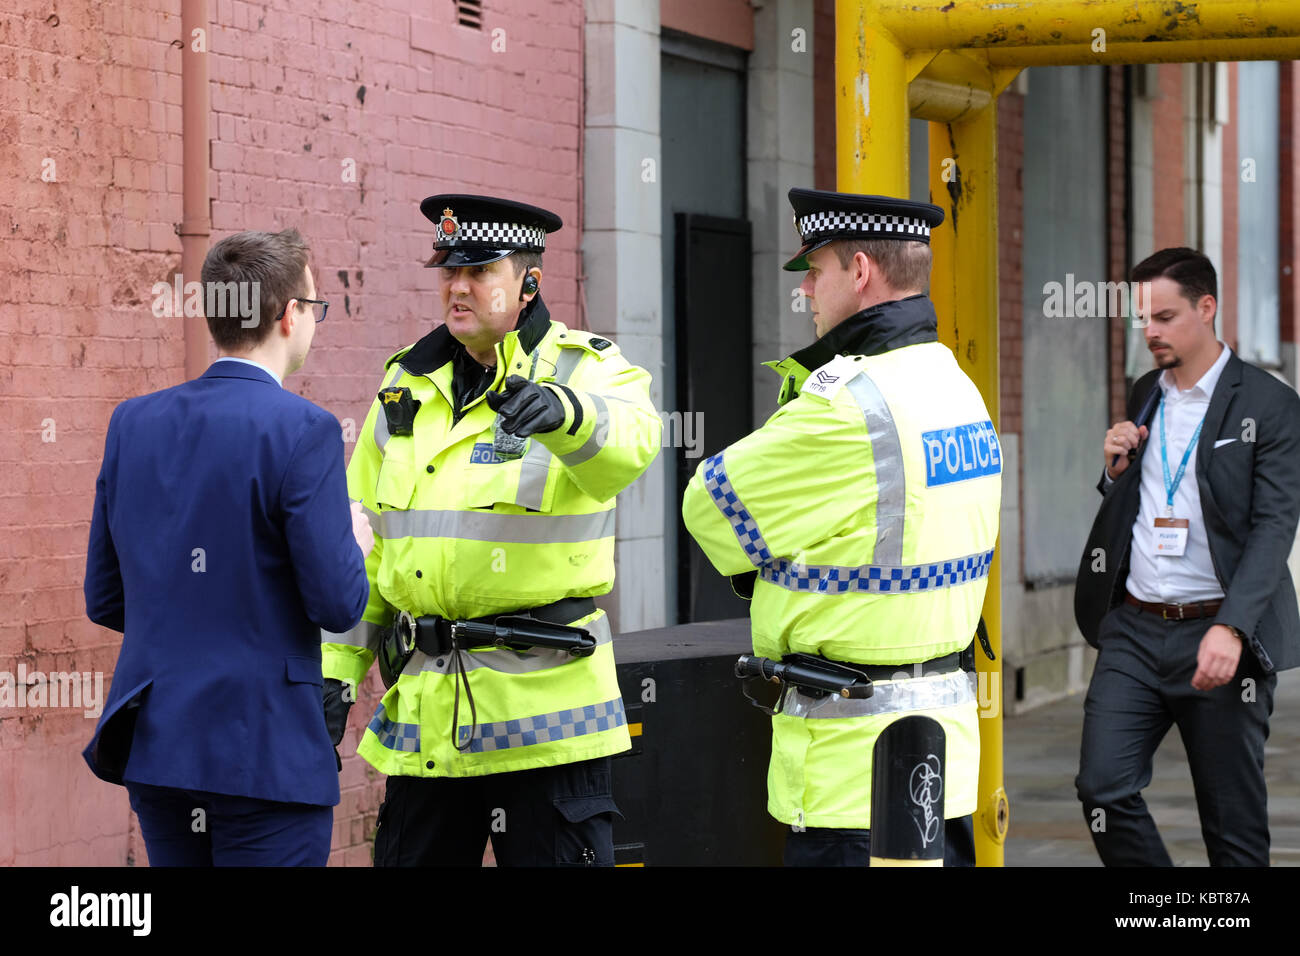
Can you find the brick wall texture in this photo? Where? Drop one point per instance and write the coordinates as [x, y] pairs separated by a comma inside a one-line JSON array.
[[90, 119]]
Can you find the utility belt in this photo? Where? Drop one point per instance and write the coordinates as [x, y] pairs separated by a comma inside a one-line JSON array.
[[437, 636], [818, 677]]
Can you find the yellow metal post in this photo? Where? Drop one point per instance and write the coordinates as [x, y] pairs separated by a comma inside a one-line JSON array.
[[964, 288], [872, 113], [870, 104]]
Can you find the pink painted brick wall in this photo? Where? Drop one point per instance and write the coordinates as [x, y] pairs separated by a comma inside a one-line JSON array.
[[98, 92]]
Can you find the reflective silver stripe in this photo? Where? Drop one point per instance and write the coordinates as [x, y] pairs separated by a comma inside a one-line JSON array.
[[889, 697], [404, 738], [569, 359], [381, 420], [536, 464], [544, 728], [364, 635], [501, 528], [596, 441], [376, 523], [887, 452], [875, 578], [533, 469], [743, 525], [506, 661]]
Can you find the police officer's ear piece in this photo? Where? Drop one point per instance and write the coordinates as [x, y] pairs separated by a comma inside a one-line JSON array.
[[530, 285]]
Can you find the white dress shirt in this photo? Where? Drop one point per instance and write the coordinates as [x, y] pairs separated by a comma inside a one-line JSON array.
[[1189, 577], [231, 358]]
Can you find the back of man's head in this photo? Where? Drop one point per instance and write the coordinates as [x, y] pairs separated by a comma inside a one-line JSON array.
[[263, 270]]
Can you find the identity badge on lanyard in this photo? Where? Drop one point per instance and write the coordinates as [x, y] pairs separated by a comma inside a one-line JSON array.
[[1170, 532]]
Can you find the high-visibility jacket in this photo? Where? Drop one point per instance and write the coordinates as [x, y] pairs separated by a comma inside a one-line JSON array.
[[868, 506], [461, 534]]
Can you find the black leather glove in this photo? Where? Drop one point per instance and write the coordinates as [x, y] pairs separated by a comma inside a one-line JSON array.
[[337, 700], [526, 408]]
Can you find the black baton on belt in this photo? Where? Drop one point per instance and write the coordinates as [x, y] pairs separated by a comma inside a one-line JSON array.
[[815, 676]]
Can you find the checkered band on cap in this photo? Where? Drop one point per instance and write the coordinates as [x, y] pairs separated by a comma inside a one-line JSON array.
[[820, 224], [495, 233]]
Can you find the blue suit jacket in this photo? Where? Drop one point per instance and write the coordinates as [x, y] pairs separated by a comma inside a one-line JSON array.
[[221, 545]]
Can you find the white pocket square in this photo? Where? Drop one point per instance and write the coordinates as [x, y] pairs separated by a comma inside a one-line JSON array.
[[1224, 441]]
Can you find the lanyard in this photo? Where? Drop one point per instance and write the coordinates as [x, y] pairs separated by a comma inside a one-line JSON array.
[[1172, 486]]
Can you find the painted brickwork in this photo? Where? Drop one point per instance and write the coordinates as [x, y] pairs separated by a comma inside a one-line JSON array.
[[302, 97]]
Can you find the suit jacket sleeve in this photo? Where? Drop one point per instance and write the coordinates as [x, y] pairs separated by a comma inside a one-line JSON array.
[[1274, 511], [327, 564], [105, 597]]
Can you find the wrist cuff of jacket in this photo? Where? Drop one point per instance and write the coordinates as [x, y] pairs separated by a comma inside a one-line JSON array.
[[348, 664], [579, 421]]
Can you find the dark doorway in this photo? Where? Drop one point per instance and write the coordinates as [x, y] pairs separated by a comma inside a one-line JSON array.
[[714, 380]]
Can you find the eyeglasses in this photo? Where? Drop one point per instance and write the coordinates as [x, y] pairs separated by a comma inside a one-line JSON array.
[[324, 307]]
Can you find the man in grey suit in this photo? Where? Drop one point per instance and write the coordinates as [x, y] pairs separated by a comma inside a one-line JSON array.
[[1183, 587]]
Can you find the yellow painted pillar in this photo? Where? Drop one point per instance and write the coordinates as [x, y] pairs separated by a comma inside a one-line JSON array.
[[871, 111], [964, 288]]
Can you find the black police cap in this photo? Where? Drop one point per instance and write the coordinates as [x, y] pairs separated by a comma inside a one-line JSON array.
[[821, 216], [473, 230]]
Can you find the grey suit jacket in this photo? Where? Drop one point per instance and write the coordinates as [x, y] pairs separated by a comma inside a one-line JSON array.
[[1250, 503]]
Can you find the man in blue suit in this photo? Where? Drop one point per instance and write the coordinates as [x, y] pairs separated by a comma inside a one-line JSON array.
[[220, 546]]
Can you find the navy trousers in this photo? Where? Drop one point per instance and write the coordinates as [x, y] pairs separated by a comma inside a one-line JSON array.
[[1141, 687], [825, 846], [196, 828]]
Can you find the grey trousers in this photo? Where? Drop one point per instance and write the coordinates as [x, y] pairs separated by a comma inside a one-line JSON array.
[[1141, 686]]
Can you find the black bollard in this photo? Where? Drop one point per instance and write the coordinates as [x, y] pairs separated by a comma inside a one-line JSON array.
[[907, 776]]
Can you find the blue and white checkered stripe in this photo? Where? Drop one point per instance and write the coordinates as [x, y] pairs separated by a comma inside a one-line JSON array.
[[404, 738], [742, 522], [544, 728], [876, 579]]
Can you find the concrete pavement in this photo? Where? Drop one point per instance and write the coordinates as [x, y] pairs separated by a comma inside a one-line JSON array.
[[1047, 827]]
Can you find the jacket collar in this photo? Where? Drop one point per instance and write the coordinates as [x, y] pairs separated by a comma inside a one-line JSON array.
[[439, 347], [254, 373], [882, 328], [1224, 390]]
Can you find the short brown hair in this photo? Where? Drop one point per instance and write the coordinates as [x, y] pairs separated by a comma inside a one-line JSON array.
[[1192, 270], [271, 265], [903, 263], [525, 260]]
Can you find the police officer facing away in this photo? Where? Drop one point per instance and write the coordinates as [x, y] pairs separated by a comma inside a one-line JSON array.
[[867, 510], [489, 463]]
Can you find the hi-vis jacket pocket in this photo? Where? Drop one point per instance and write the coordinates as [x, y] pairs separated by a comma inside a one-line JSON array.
[[526, 482], [395, 486]]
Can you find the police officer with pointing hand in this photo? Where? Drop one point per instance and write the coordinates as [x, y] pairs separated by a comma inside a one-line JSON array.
[[489, 464]]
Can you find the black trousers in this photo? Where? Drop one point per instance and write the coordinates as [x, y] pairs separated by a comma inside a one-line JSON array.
[[552, 816], [1142, 686], [826, 846]]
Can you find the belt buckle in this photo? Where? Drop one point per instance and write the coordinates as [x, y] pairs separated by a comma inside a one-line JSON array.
[[1164, 612]]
